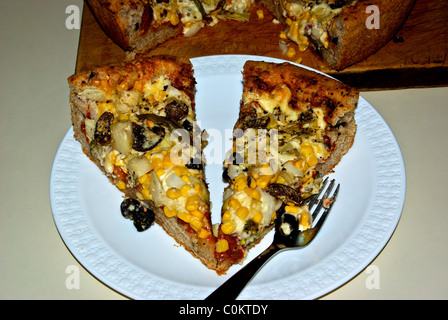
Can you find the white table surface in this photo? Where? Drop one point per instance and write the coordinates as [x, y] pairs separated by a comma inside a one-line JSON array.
[[38, 53]]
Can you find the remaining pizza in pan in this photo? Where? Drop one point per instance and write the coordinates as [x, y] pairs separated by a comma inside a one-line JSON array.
[[342, 32], [136, 122], [294, 126]]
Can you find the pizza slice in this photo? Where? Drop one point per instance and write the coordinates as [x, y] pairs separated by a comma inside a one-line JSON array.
[[139, 25], [136, 122], [294, 126]]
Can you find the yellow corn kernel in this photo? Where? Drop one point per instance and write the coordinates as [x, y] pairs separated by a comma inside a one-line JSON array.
[[173, 193], [185, 189], [263, 181], [301, 165], [240, 182], [138, 86], [288, 21], [186, 178], [185, 216], [260, 14], [304, 218], [292, 209], [180, 170], [252, 193], [121, 185], [222, 245], [156, 163], [168, 212], [228, 227], [281, 180], [174, 19], [258, 216], [234, 203], [203, 233], [123, 117], [144, 178], [160, 172], [198, 188], [283, 35], [242, 213], [196, 224], [166, 161], [146, 194], [226, 216], [197, 213], [291, 52], [299, 60], [308, 152], [192, 203]]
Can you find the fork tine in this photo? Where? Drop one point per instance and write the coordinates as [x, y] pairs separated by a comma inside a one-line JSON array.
[[312, 202], [321, 201], [328, 209]]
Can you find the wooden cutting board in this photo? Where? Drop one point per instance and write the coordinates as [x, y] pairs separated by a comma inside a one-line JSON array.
[[416, 57]]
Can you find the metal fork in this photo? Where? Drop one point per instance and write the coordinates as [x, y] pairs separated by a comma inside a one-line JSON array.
[[282, 241]]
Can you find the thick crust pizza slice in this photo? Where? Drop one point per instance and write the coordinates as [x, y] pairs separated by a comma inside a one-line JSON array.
[[293, 128], [136, 122]]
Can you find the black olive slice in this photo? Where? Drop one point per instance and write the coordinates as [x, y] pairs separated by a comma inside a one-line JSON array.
[[146, 138], [102, 133], [176, 110]]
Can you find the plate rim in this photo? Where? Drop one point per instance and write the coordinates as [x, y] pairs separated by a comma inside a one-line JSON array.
[[252, 290]]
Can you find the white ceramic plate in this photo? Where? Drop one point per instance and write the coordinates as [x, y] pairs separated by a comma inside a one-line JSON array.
[[150, 265]]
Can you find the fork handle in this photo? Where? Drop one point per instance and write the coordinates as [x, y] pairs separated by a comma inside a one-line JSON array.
[[230, 289]]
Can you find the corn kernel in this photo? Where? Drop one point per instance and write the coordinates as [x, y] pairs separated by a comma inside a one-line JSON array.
[[146, 194], [291, 52], [192, 203], [299, 60], [260, 14], [197, 213], [241, 182], [226, 216], [222, 245], [185, 189], [234, 203], [121, 185], [292, 209], [173, 193], [166, 161], [174, 19], [301, 164], [263, 181], [144, 178], [228, 227], [242, 213], [160, 172], [157, 163], [203, 234], [168, 212], [185, 216], [304, 218], [252, 193], [283, 35], [258, 216], [281, 180], [180, 170], [186, 178], [198, 188], [196, 224], [307, 151]]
